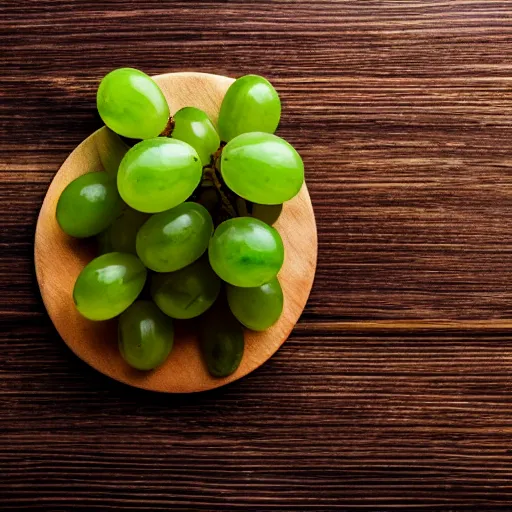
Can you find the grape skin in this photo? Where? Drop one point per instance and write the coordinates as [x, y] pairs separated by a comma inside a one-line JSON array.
[[88, 205], [188, 292], [246, 252], [145, 335], [121, 235], [222, 342], [257, 308], [113, 154], [193, 126], [108, 285], [174, 239], [251, 104], [262, 168], [131, 104], [158, 174], [268, 213]]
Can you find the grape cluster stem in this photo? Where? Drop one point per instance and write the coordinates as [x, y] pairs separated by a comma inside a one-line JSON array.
[[210, 173], [169, 127]]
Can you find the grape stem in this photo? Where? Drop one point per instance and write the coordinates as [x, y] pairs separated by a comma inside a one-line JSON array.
[[229, 205], [210, 173], [169, 127]]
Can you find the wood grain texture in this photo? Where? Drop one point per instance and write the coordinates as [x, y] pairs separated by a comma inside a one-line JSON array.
[[393, 393], [59, 259]]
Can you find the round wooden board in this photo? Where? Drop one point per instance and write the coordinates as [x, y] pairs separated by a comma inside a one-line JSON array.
[[59, 259]]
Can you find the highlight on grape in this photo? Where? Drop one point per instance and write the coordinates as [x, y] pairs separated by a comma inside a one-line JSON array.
[[183, 219]]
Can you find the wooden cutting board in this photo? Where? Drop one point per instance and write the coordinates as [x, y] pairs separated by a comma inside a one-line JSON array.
[[59, 259]]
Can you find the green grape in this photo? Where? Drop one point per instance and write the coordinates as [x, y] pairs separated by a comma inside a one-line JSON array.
[[193, 126], [174, 239], [146, 335], [131, 104], [257, 308], [158, 174], [246, 252], [120, 236], [111, 151], [88, 205], [108, 285], [104, 243], [188, 292], [221, 342], [262, 168], [251, 104], [268, 213]]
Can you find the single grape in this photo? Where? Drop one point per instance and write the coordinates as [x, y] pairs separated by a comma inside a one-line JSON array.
[[146, 335], [268, 213], [108, 285], [246, 252], [120, 236], [221, 342], [188, 292], [88, 205], [158, 174], [251, 104], [174, 239], [193, 126], [262, 168], [257, 308], [131, 104], [111, 151]]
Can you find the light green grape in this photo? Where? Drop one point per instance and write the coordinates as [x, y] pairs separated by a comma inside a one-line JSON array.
[[193, 126], [146, 335], [256, 308], [251, 104], [120, 236], [158, 174], [246, 252], [262, 168], [174, 239], [222, 342], [108, 285], [188, 292], [131, 104], [268, 213], [111, 152], [88, 205]]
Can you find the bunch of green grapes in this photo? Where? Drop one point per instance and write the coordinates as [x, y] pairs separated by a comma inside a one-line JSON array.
[[189, 207]]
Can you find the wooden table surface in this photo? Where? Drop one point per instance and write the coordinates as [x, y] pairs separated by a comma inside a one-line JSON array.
[[394, 390]]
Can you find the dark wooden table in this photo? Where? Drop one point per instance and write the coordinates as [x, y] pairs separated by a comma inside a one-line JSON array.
[[394, 391]]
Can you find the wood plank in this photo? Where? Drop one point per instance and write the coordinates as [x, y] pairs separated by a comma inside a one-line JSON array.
[[394, 390], [401, 111], [355, 421]]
